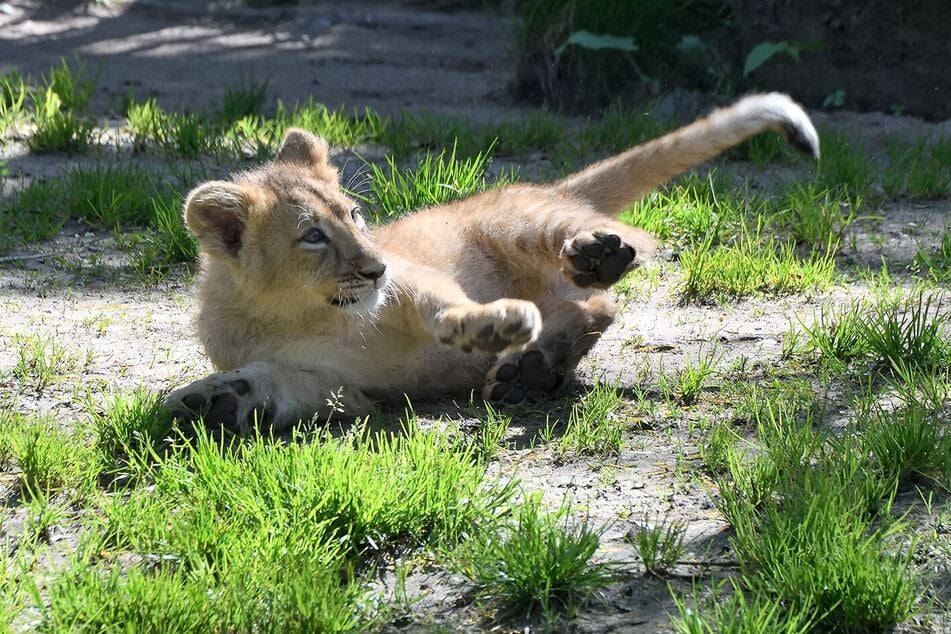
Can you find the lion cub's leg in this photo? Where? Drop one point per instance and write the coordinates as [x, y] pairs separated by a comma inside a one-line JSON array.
[[571, 328], [601, 256], [446, 313], [264, 395]]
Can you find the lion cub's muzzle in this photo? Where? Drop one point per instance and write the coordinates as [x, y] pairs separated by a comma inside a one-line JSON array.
[[365, 287]]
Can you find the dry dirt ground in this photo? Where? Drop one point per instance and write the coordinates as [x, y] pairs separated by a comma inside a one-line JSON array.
[[78, 287]]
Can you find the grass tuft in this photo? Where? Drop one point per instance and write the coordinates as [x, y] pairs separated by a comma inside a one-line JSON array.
[[537, 562], [659, 546], [40, 361], [436, 179], [594, 427], [888, 335], [128, 432], [749, 267]]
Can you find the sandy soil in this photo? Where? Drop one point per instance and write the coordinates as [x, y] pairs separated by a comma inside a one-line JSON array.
[[79, 290]]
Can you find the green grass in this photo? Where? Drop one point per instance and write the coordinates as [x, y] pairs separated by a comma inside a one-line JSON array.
[[13, 101], [813, 529], [129, 432], [242, 100], [49, 459], [112, 197], [40, 361], [167, 243], [105, 195], [536, 562], [146, 121], [58, 129], [885, 335], [659, 545], [58, 108], [907, 444], [491, 432], [74, 84], [595, 427], [920, 170], [275, 531], [692, 210], [811, 216], [845, 168], [689, 381], [435, 179], [936, 265], [764, 149], [735, 613], [751, 267], [617, 129]]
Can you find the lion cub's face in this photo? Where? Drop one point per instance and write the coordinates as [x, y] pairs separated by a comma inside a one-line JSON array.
[[287, 229]]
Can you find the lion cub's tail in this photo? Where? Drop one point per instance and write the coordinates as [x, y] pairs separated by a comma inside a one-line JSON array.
[[616, 182]]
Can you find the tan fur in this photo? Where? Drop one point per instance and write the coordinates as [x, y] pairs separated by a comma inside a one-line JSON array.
[[500, 292]]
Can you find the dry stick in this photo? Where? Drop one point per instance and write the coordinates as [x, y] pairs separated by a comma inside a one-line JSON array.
[[18, 258]]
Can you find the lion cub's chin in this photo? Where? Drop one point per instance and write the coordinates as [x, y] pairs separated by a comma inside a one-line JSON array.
[[367, 304]]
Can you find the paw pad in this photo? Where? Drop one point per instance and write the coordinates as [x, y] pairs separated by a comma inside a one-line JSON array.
[[597, 259], [520, 379], [220, 404]]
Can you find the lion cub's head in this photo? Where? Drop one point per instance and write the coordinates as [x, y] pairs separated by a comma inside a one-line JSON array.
[[287, 230]]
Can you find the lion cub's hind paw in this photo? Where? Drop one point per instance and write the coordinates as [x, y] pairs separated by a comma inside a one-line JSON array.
[[521, 378], [597, 259], [493, 327], [222, 401]]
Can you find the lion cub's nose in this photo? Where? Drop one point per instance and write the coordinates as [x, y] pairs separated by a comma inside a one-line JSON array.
[[373, 273]]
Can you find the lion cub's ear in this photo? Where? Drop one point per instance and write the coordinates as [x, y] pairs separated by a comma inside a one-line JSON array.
[[216, 213], [300, 147]]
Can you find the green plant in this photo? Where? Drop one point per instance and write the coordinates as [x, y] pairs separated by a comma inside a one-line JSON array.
[[436, 179], [338, 127], [739, 612], [40, 361], [908, 443], [845, 168], [57, 128], [689, 380], [29, 214], [167, 242], [128, 431], [659, 546], [431, 132], [50, 460], [73, 84], [937, 264], [536, 562], [492, 432], [751, 266], [812, 216], [594, 426], [920, 170], [13, 98], [243, 100], [147, 121], [576, 53], [273, 530]]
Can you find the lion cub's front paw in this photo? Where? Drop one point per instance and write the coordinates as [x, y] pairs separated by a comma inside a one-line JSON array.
[[225, 400], [596, 259], [492, 327], [521, 377]]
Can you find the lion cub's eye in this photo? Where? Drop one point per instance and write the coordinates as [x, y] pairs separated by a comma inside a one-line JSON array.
[[314, 236], [357, 216]]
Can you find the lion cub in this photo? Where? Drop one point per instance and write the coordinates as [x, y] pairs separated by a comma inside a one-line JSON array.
[[306, 310]]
